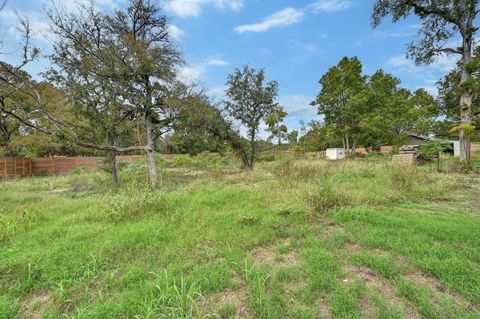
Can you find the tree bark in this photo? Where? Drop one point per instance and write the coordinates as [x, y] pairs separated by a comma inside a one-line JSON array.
[[113, 167], [150, 152], [252, 151], [465, 103]]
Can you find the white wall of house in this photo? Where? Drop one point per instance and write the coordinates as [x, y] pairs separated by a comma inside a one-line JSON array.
[[335, 153]]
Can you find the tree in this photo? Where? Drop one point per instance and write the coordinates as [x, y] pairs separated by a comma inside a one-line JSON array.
[[449, 95], [338, 99], [128, 58], [441, 21], [434, 149], [292, 138], [85, 66], [389, 113], [275, 124], [250, 100]]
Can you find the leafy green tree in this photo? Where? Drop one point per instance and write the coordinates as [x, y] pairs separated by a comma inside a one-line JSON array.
[[434, 149], [250, 100], [292, 138], [390, 112], [275, 124], [128, 57], [449, 95], [339, 98], [442, 21]]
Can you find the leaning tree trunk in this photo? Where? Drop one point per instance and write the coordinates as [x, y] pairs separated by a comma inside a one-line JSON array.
[[466, 98], [150, 152]]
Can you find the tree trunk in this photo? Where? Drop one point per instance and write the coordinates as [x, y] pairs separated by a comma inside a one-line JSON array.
[[354, 147], [150, 151], [466, 99], [252, 151], [113, 167]]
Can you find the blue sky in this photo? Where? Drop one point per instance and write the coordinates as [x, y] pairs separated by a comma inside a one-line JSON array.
[[296, 41]]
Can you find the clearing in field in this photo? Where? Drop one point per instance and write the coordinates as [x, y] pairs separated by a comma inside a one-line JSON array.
[[293, 239]]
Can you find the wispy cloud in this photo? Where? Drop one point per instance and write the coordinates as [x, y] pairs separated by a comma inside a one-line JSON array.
[[193, 8], [283, 17], [309, 47], [405, 31], [175, 32], [329, 5], [424, 76], [197, 72], [289, 15], [297, 105]]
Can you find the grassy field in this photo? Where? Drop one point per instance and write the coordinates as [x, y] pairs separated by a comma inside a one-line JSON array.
[[293, 239]]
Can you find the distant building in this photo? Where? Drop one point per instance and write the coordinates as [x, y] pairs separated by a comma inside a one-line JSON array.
[[335, 153], [413, 142]]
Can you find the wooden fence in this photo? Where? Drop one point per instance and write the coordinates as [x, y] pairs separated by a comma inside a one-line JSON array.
[[35, 166]]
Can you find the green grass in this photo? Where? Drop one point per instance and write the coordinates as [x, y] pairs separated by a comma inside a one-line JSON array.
[[293, 239]]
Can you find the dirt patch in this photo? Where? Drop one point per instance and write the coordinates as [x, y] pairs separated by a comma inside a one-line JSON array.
[[435, 284], [269, 255], [372, 280], [212, 303], [35, 305], [323, 308]]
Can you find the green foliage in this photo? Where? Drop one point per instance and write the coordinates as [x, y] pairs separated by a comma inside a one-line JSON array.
[[251, 101]]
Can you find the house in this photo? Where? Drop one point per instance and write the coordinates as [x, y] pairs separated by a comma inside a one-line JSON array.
[[413, 142]]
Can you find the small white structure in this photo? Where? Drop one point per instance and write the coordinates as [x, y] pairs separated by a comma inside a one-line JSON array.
[[456, 148], [335, 153]]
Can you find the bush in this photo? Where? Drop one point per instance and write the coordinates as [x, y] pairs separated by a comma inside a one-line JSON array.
[[265, 157], [182, 160], [284, 168], [323, 197], [402, 176], [133, 203]]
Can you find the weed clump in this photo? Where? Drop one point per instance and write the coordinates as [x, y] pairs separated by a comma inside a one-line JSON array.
[[323, 196], [134, 203]]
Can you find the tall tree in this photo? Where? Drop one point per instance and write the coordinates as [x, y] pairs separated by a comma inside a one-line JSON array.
[[85, 66], [338, 99], [127, 69], [250, 100], [441, 21], [449, 95]]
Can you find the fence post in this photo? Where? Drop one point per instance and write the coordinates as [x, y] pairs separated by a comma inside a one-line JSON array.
[[15, 166], [53, 165], [5, 167], [29, 167]]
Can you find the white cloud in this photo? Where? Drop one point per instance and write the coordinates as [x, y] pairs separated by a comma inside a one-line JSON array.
[[297, 105], [193, 8], [197, 73], [405, 31], [175, 32], [329, 5], [216, 61], [192, 73], [421, 76], [283, 17]]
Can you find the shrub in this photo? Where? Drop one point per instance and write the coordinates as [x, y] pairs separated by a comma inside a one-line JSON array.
[[284, 168], [266, 157], [401, 176], [134, 203], [182, 160], [323, 197]]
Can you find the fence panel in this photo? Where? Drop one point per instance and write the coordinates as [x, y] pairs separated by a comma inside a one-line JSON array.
[[37, 166]]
